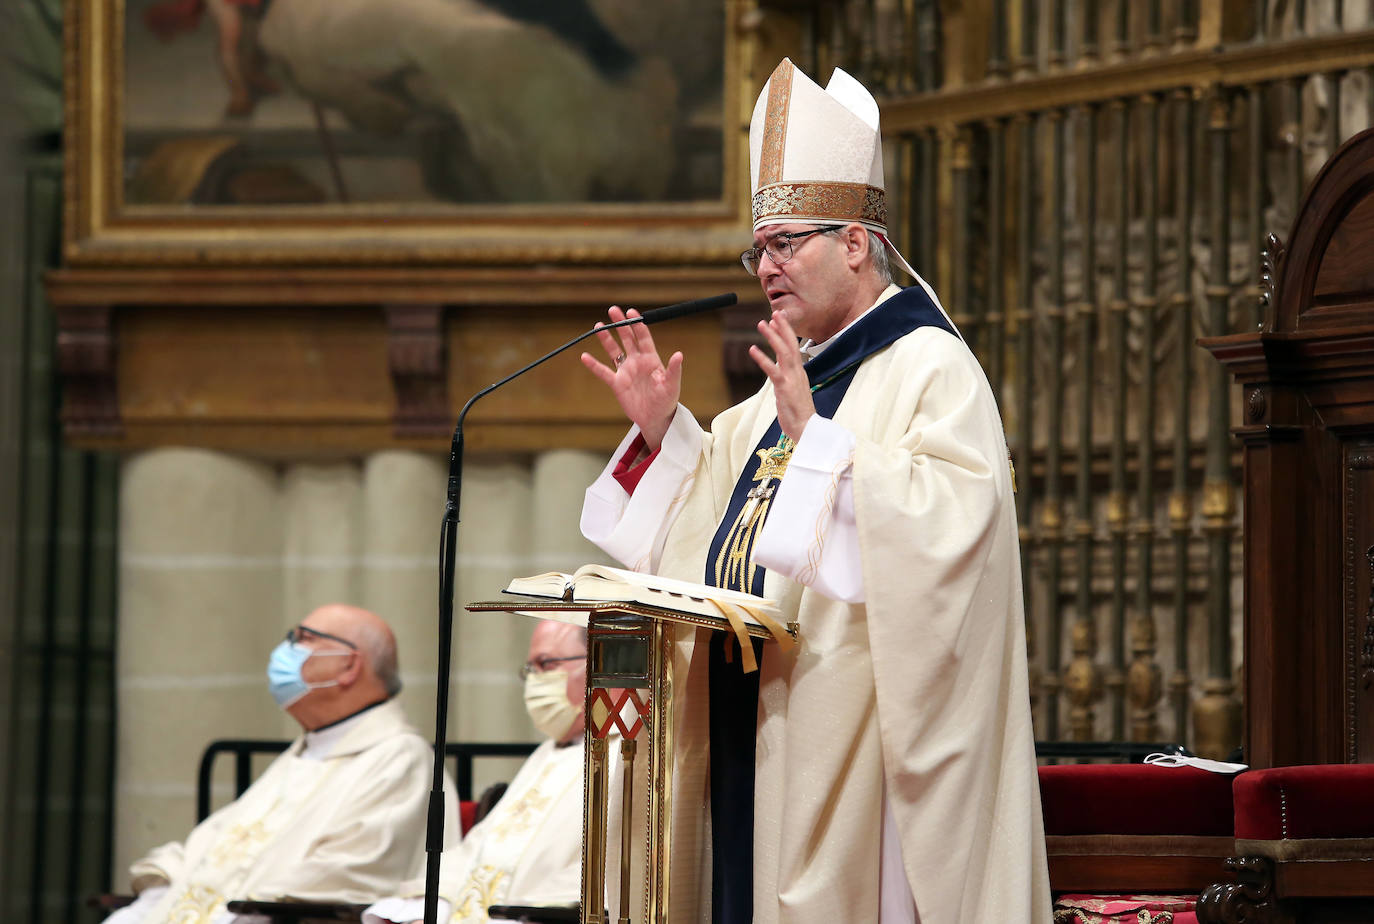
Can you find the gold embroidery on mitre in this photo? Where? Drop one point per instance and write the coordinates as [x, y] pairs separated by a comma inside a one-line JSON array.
[[775, 123], [734, 562], [823, 201]]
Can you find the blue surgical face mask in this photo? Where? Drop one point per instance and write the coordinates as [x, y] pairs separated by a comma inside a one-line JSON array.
[[284, 678]]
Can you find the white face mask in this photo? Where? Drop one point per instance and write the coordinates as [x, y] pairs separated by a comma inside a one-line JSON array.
[[546, 700], [1202, 763]]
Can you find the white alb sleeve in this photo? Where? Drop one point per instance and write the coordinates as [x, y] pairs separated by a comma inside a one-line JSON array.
[[810, 534], [632, 527]]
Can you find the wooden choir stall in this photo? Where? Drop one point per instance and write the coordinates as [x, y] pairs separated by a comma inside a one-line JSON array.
[[1304, 817]]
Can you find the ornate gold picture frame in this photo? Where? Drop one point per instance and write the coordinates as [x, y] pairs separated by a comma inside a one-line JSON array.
[[228, 132]]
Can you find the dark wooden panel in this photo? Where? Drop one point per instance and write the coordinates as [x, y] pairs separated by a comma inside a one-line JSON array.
[[1333, 878], [1127, 873], [1334, 209], [1346, 274], [1359, 589]]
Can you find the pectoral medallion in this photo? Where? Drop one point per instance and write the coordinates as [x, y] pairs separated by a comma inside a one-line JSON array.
[[735, 564]]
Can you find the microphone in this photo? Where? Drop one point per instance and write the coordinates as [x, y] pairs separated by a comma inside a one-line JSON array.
[[694, 306], [448, 548], [654, 315]]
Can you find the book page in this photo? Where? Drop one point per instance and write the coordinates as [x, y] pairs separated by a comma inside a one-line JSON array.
[[602, 582], [549, 584]]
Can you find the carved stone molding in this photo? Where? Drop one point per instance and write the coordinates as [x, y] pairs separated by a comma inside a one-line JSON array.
[[86, 358], [1249, 900], [418, 362]]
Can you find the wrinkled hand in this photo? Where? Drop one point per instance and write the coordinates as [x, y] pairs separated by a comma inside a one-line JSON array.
[[791, 388], [647, 389]]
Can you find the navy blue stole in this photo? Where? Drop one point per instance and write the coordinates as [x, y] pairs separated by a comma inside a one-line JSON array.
[[734, 695]]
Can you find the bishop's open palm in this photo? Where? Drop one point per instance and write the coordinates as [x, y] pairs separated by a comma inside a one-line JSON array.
[[646, 388]]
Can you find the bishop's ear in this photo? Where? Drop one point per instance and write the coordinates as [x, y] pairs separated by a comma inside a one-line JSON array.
[[856, 245]]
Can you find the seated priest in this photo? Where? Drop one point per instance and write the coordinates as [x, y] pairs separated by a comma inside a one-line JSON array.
[[528, 850], [339, 817]]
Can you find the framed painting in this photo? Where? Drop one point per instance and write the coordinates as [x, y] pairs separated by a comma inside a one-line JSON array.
[[309, 132]]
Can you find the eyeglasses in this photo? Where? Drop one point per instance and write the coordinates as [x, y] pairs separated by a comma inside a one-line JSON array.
[[540, 665], [302, 633], [779, 248]]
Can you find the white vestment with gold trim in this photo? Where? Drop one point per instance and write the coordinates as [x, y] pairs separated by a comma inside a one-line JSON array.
[[918, 694], [348, 827], [528, 851]]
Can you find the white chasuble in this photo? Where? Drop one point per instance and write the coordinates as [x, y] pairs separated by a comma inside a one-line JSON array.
[[920, 691], [344, 828], [527, 851]]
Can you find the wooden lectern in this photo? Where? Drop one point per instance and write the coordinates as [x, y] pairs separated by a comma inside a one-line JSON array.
[[630, 691]]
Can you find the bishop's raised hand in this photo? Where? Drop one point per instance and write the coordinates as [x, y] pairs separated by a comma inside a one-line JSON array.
[[646, 388], [791, 389]]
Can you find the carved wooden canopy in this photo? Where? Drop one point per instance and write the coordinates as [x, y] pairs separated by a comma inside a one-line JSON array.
[[1308, 435]]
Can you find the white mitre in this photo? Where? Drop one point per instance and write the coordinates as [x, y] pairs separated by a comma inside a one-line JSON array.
[[817, 156]]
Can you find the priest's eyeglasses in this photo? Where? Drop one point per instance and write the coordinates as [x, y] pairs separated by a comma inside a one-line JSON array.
[[779, 248], [540, 665], [303, 633]]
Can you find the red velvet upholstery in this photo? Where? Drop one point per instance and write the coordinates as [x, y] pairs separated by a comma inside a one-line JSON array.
[[1321, 800], [467, 812], [1135, 799]]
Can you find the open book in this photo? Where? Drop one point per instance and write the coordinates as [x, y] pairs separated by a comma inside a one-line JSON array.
[[598, 583]]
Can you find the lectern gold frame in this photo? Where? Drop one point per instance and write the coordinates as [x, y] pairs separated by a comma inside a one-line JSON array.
[[629, 657]]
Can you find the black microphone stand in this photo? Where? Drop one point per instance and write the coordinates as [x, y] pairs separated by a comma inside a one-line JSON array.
[[448, 551]]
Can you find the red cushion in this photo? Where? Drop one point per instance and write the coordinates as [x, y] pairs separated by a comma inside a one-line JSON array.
[[1135, 799], [1323, 800], [467, 813]]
